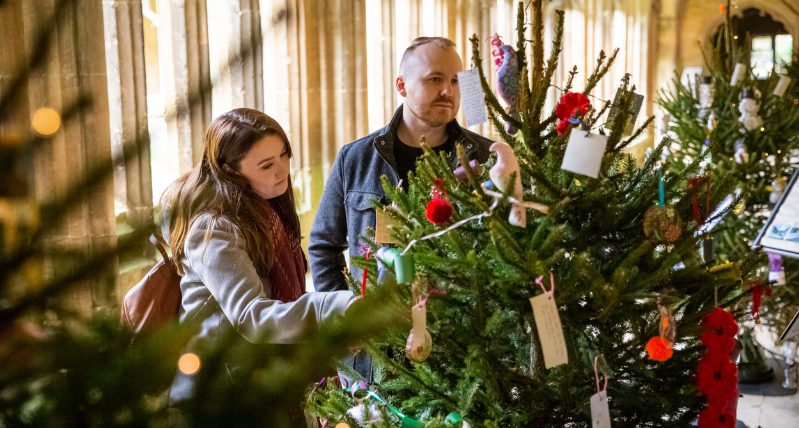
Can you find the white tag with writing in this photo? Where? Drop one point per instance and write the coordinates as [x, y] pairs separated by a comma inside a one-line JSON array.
[[474, 106], [600, 413], [550, 331], [382, 230], [584, 153]]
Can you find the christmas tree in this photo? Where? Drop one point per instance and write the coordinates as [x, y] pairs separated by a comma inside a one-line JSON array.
[[614, 246], [744, 127]]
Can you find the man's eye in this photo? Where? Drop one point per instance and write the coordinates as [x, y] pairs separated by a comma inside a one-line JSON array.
[[454, 81]]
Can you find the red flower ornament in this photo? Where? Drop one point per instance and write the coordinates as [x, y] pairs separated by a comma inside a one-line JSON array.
[[721, 321], [716, 375], [713, 417], [717, 342], [571, 102]]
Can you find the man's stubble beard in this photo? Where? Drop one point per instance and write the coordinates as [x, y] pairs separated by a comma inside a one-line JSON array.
[[424, 113]]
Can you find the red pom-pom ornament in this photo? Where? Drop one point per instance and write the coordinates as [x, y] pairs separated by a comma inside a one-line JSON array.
[[438, 210], [659, 349]]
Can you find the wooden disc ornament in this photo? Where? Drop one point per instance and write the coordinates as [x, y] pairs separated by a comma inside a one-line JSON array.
[[662, 225]]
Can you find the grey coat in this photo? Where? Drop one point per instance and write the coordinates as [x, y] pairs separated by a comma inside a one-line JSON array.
[[222, 267]]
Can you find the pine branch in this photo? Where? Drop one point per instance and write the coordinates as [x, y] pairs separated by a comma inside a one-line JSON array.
[[599, 70]]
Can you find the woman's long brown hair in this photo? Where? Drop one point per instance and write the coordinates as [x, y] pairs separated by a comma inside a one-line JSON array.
[[210, 188]]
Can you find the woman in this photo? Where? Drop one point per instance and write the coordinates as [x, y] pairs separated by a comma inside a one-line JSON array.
[[235, 235]]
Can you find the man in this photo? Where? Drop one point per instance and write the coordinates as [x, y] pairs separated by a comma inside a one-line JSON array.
[[428, 80]]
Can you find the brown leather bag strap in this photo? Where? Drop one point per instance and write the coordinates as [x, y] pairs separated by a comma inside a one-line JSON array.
[[157, 240]]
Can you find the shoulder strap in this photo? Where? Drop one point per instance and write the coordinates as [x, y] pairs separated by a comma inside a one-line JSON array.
[[157, 241]]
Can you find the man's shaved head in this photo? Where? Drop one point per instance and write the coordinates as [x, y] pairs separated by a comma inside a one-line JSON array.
[[409, 57]]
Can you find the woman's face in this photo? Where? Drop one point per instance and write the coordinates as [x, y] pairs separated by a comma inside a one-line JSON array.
[[266, 167]]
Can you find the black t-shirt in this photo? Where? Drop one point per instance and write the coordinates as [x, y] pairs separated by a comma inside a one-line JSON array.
[[405, 156]]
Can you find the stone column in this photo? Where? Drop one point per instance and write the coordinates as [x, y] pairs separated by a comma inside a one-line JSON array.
[[185, 78], [235, 53], [127, 93], [72, 67]]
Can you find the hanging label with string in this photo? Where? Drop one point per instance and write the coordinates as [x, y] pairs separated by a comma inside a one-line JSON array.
[[600, 412], [632, 115], [550, 330], [584, 153]]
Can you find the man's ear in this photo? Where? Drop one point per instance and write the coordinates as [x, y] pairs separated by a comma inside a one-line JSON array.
[[400, 84]]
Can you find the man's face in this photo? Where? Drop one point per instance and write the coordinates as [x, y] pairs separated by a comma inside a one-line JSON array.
[[430, 84]]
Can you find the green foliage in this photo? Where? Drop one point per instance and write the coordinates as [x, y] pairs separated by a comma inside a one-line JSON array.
[[486, 362], [771, 150]]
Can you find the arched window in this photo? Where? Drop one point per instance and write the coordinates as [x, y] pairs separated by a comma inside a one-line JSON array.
[[772, 45]]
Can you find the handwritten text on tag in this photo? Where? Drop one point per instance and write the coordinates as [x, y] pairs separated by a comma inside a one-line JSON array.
[[550, 331], [474, 107]]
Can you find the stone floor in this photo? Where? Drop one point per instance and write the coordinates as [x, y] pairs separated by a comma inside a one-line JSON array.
[[769, 412]]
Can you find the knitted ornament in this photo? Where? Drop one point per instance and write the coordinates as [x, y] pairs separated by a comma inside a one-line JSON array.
[[722, 322], [716, 376], [659, 349], [438, 210], [712, 417], [662, 225], [568, 106]]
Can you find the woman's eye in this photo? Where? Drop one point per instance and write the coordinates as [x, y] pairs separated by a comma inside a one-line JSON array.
[[435, 79], [267, 166]]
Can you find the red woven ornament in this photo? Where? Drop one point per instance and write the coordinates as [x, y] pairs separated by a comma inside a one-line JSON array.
[[438, 210], [716, 375], [713, 417], [563, 126], [721, 321], [659, 349]]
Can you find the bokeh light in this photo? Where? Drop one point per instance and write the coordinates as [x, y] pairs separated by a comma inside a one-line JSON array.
[[46, 121], [189, 363]]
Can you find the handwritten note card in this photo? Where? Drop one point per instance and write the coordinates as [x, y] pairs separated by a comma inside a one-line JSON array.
[[550, 331], [600, 413], [474, 107]]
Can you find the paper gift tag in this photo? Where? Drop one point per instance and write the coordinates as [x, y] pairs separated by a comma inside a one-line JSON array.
[[584, 153], [600, 413], [631, 117], [474, 107], [382, 230], [550, 331]]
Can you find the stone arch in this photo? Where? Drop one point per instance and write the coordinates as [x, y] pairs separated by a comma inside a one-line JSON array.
[[779, 11]]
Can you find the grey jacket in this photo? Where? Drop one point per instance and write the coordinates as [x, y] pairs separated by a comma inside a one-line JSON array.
[[222, 267], [345, 211]]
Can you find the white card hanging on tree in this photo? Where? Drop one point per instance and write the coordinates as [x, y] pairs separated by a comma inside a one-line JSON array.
[[600, 413], [550, 330], [584, 153], [474, 106]]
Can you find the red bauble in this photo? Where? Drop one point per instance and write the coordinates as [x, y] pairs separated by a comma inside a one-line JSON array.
[[438, 211], [571, 102], [659, 349], [714, 417], [716, 375], [720, 321]]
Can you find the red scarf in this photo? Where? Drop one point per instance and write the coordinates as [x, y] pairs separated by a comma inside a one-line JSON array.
[[287, 275]]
